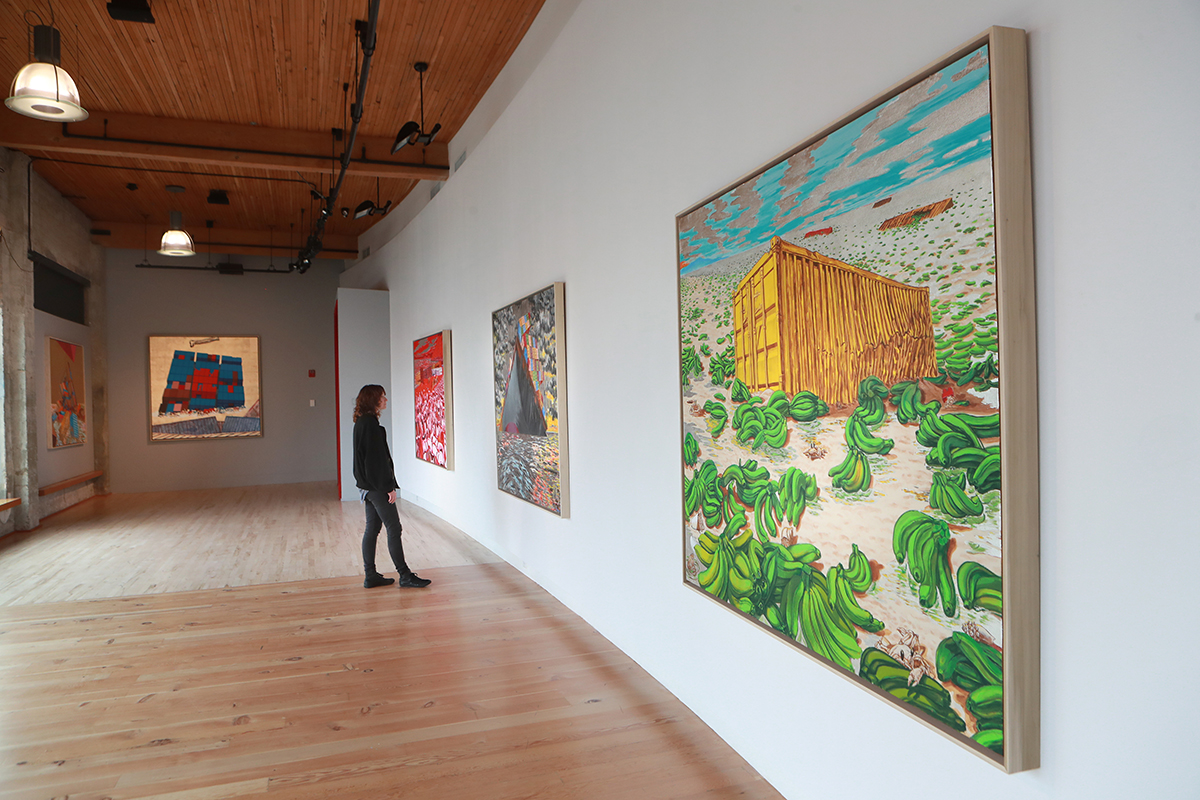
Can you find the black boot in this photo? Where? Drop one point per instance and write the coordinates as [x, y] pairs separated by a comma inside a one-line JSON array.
[[410, 580], [377, 580]]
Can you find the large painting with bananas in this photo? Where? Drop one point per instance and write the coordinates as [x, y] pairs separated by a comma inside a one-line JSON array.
[[858, 401]]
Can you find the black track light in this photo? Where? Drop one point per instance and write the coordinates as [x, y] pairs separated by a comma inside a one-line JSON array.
[[407, 135], [411, 132], [368, 209]]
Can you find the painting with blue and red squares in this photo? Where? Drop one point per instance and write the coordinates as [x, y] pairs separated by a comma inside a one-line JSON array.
[[203, 382]]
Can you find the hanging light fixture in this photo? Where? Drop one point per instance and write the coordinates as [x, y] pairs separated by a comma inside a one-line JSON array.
[[42, 89], [368, 209], [410, 132], [176, 241]]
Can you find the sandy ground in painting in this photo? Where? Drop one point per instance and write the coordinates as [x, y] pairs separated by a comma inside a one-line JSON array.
[[952, 254]]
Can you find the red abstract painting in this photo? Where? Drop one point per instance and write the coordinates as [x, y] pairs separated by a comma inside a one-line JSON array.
[[432, 405]]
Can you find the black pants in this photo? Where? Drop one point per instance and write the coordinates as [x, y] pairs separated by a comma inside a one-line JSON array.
[[382, 513]]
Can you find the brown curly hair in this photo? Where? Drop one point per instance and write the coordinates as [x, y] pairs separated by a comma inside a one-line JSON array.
[[368, 401]]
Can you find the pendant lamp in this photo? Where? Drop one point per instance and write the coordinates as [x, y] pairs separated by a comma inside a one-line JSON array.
[[42, 89], [176, 241]]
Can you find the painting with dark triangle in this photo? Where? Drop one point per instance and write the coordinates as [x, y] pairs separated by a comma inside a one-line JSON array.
[[530, 399]]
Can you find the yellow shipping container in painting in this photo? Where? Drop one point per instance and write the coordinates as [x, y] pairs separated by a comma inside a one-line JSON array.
[[804, 321]]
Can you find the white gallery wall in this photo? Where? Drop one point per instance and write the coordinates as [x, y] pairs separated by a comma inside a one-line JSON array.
[[363, 357], [642, 108]]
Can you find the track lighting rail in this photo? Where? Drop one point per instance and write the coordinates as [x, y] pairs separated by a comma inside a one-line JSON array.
[[313, 245]]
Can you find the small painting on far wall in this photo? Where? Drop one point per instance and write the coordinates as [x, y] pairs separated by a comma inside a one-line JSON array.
[[67, 395], [433, 403], [205, 387]]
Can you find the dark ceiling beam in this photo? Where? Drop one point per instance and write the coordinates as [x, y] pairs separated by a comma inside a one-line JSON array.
[[218, 144], [233, 241]]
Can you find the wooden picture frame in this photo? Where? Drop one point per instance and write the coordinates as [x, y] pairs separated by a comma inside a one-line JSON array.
[[858, 355], [433, 399], [66, 394], [529, 347], [204, 387]]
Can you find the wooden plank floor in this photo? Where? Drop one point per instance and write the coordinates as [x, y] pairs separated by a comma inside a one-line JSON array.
[[129, 544], [481, 686]]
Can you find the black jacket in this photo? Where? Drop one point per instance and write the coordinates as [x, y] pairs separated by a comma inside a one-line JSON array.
[[373, 468]]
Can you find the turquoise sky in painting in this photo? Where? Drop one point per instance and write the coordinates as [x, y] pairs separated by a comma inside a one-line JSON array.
[[941, 124]]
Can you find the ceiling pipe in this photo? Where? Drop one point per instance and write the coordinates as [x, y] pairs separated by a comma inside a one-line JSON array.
[[313, 245]]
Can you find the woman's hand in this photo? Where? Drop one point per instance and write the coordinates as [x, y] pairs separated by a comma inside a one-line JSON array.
[[392, 497]]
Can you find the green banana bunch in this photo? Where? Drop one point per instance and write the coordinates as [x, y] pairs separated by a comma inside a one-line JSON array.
[[758, 424], [690, 364], [969, 662], [741, 569], [793, 560], [691, 450], [768, 511], [730, 573], [934, 427], [748, 406], [796, 488], [775, 429], [927, 694], [950, 449], [714, 579], [691, 495], [991, 739], [923, 541], [775, 618], [985, 477], [842, 596], [706, 548], [736, 527], [748, 480], [872, 393], [826, 632], [930, 430], [985, 426], [722, 365], [790, 602], [853, 474], [781, 563], [948, 495], [857, 435], [980, 587], [973, 426], [968, 458], [858, 573], [779, 401], [906, 397], [738, 392], [977, 372], [806, 407], [717, 415], [705, 481], [986, 704]]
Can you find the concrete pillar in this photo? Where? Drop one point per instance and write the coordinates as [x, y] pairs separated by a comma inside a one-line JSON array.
[[20, 392], [61, 232]]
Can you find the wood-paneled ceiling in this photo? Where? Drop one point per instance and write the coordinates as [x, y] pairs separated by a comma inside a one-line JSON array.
[[243, 96]]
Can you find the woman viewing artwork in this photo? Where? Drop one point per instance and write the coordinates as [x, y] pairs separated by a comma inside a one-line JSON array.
[[375, 476]]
